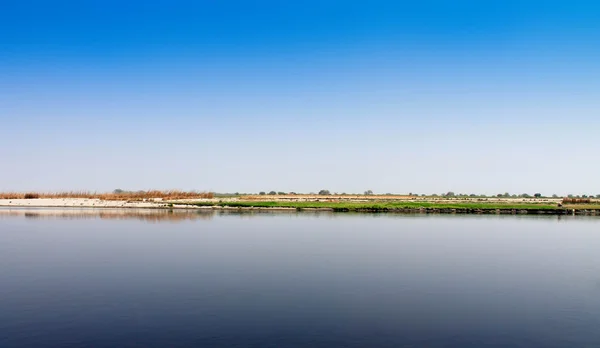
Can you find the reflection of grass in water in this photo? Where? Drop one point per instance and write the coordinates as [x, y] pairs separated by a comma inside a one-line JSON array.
[[151, 216]]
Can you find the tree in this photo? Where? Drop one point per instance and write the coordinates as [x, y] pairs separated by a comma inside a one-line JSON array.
[[324, 193], [118, 191], [272, 193], [598, 196], [555, 196], [262, 193], [368, 192], [281, 193], [525, 195], [570, 196], [537, 195], [449, 194]]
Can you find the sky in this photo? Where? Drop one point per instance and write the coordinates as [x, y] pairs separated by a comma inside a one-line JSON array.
[[246, 96]]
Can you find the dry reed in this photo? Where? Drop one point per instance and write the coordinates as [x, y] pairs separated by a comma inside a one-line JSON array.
[[121, 196], [569, 200]]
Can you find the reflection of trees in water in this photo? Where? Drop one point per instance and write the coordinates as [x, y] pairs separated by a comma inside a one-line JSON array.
[[150, 216]]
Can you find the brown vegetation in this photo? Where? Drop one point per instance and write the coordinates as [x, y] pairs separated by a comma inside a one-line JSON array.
[[569, 200], [113, 196]]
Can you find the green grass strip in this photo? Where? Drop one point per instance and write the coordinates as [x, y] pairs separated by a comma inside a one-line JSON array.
[[353, 206]]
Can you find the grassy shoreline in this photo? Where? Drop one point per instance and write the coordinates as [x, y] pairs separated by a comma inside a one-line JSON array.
[[380, 206], [400, 206]]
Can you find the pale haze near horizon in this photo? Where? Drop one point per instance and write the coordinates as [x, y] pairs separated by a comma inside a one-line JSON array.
[[422, 99]]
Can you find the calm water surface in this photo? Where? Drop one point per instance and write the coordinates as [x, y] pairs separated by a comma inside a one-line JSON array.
[[75, 278]]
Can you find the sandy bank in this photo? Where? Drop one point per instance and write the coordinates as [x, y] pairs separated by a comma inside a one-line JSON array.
[[97, 203], [78, 202]]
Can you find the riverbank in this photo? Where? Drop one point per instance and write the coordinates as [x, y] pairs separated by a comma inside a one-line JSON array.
[[82, 203], [407, 207], [413, 207]]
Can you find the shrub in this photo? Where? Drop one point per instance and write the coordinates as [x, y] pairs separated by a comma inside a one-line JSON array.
[[125, 195], [577, 200]]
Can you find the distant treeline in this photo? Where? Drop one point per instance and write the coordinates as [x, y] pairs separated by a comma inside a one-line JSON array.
[[445, 194]]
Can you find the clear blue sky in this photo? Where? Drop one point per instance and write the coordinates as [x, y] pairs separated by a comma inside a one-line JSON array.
[[392, 96]]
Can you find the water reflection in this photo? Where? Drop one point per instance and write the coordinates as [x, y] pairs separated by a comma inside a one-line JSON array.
[[146, 215], [288, 279], [179, 215]]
